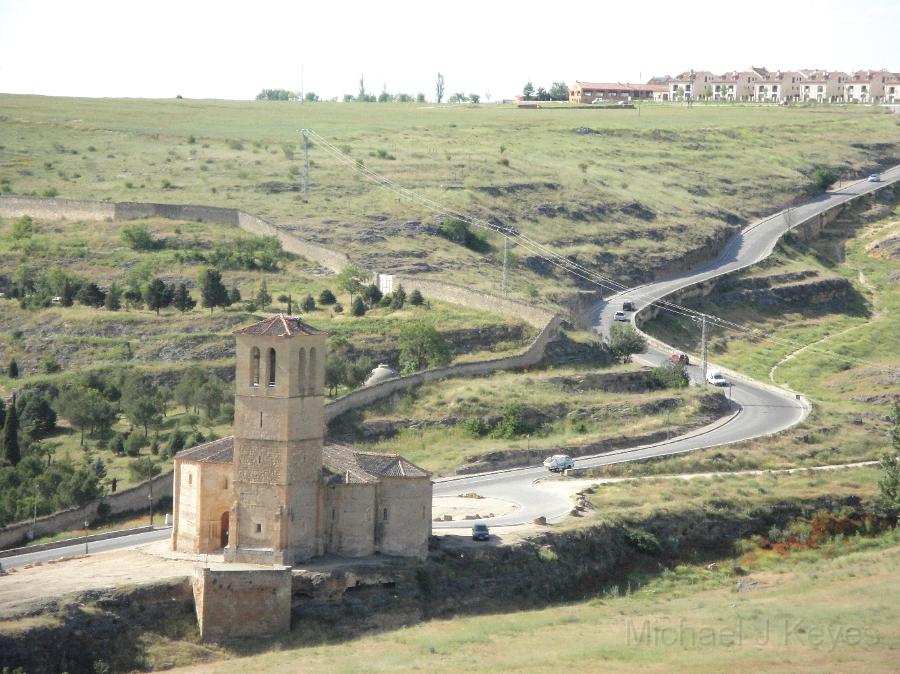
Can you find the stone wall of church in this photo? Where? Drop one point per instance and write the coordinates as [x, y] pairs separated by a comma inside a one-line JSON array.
[[403, 516], [348, 516], [205, 493]]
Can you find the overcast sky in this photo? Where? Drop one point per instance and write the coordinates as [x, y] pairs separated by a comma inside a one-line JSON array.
[[227, 49]]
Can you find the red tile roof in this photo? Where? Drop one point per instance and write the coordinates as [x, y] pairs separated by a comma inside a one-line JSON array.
[[279, 326]]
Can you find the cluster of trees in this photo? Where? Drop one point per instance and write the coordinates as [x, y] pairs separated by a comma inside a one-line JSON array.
[[261, 253], [285, 95], [364, 96], [94, 404], [558, 91], [251, 254], [352, 281], [341, 371]]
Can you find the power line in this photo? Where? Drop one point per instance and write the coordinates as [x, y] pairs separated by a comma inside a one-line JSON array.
[[548, 255]]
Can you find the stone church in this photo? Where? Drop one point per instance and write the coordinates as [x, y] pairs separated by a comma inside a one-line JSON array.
[[274, 493]]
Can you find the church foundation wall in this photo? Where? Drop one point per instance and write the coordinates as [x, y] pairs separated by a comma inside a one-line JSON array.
[[242, 603]]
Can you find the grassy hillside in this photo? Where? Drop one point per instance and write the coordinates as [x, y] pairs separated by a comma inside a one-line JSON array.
[[446, 425], [624, 191]]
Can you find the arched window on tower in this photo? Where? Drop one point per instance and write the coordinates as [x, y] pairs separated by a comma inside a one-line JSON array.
[[311, 378], [301, 372], [254, 366], [271, 367]]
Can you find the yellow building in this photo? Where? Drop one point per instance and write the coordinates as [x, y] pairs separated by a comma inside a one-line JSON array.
[[273, 493]]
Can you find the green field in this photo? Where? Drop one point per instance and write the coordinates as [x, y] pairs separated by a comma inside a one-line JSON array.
[[629, 194]]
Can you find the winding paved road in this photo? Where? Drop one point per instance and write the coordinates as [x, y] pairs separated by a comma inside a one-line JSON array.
[[760, 409]]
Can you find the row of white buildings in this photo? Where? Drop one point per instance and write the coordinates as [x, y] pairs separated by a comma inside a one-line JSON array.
[[777, 86], [755, 84]]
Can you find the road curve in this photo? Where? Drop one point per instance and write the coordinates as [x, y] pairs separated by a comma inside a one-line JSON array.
[[760, 409]]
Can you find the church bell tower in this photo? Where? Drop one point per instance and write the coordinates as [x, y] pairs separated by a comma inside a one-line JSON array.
[[279, 425]]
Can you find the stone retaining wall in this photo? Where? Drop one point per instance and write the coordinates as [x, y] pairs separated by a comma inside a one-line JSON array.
[[455, 294], [242, 603], [370, 394], [133, 499], [70, 209]]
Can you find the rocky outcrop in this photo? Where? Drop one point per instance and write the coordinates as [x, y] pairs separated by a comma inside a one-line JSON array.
[[831, 293]]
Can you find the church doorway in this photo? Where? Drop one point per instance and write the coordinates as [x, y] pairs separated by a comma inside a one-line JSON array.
[[223, 530]]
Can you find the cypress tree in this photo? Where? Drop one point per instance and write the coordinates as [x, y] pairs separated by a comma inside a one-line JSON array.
[[13, 370], [11, 435]]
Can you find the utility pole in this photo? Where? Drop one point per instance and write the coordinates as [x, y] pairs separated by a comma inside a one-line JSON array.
[[305, 160], [703, 346], [503, 283], [34, 512]]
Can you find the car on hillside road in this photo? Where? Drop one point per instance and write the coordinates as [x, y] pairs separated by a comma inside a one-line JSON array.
[[628, 306], [620, 316], [480, 532], [680, 358], [715, 378], [875, 178], [558, 463]]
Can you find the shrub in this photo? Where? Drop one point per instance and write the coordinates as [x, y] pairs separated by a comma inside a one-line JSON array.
[[327, 298], [372, 295], [624, 341], [358, 308], [338, 308], [308, 303], [399, 298], [503, 161], [139, 237], [824, 178], [118, 444], [643, 541], [415, 298], [134, 444], [235, 145], [670, 375], [23, 228], [458, 231], [475, 427], [514, 422]]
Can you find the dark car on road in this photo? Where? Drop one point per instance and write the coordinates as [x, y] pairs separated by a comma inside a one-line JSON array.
[[480, 532], [628, 306]]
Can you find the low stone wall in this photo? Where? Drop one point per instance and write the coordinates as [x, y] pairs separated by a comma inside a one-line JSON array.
[[69, 209], [56, 209], [455, 294], [242, 603], [133, 499], [370, 394]]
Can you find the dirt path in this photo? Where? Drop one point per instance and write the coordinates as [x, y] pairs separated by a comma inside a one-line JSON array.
[[878, 315]]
